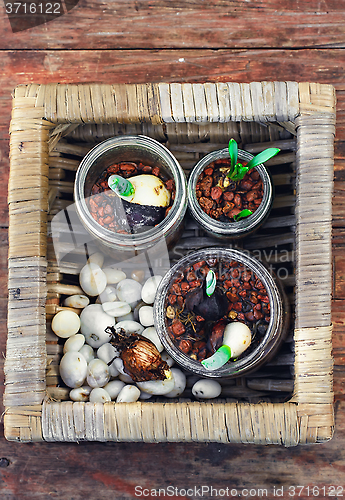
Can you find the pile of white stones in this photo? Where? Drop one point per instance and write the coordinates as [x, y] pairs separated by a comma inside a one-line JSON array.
[[90, 365]]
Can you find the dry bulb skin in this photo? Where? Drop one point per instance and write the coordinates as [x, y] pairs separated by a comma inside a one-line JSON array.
[[141, 359]]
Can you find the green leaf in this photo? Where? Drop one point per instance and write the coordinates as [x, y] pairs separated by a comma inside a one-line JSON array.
[[238, 172], [265, 155], [242, 214], [233, 151]]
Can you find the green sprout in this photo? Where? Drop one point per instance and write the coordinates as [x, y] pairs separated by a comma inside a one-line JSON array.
[[242, 214], [237, 170]]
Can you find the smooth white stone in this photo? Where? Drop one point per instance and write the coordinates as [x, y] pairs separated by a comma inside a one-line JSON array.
[[94, 321], [149, 289], [157, 387], [73, 369], [114, 275], [96, 258], [151, 334], [74, 343], [238, 337], [180, 383], [80, 394], [97, 373], [168, 359], [129, 327], [113, 388], [87, 352], [126, 378], [92, 279], [206, 389], [137, 309], [145, 395], [116, 309], [107, 352], [118, 363], [138, 275], [108, 295], [114, 372], [129, 291], [99, 395], [77, 301], [65, 324], [150, 190], [126, 317], [146, 315], [128, 394]]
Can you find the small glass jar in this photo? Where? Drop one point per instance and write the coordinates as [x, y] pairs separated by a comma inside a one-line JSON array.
[[229, 230], [130, 149], [272, 338]]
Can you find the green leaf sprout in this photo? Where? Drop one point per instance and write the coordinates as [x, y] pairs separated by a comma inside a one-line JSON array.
[[237, 170], [242, 214]]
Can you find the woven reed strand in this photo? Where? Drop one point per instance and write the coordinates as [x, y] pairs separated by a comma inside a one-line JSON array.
[[185, 110]]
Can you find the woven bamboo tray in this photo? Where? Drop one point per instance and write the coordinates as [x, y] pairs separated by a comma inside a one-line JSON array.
[[290, 401]]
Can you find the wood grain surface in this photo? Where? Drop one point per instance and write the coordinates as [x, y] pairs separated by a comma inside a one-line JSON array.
[[160, 40]]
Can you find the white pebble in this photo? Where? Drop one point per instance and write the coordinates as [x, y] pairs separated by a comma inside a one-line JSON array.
[[113, 275], [129, 327], [114, 372], [118, 363], [157, 387], [97, 373], [92, 279], [129, 291], [146, 315], [126, 317], [149, 289], [96, 258], [94, 321], [168, 359], [151, 334], [113, 388], [116, 309], [65, 324], [108, 295], [137, 309], [128, 394], [107, 352], [206, 389], [77, 301], [74, 343], [145, 395], [73, 369], [99, 395], [180, 383], [80, 393], [126, 378], [87, 352]]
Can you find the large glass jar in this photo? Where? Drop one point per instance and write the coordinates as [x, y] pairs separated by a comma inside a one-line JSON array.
[[267, 344]]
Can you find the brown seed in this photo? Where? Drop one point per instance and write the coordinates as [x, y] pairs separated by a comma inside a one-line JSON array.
[[216, 193], [177, 327]]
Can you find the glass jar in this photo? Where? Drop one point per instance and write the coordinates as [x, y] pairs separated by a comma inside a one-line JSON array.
[[259, 354], [130, 149], [229, 230]]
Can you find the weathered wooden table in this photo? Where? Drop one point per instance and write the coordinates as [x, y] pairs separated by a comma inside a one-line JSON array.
[[136, 42]]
